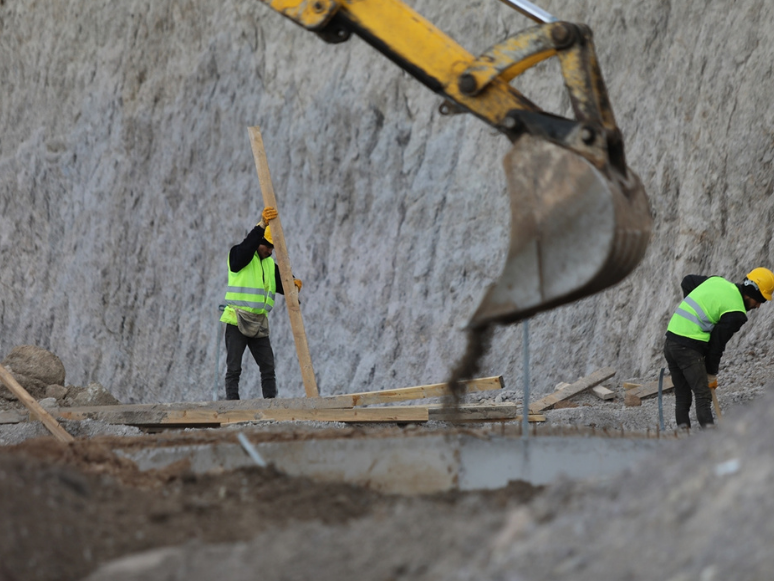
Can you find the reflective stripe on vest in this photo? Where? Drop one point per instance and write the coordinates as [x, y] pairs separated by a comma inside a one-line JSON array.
[[259, 303], [700, 318], [251, 289], [699, 312]]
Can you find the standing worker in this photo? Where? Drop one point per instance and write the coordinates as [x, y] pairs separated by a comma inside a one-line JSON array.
[[253, 279], [713, 309]]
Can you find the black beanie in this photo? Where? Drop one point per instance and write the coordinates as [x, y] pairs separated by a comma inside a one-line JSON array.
[[750, 289]]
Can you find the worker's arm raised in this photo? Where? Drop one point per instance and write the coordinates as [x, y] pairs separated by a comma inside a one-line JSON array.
[[267, 215], [241, 254]]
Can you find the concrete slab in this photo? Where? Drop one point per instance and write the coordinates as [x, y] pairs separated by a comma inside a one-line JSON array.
[[421, 464]]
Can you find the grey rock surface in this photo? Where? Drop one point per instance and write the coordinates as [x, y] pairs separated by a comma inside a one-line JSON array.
[[58, 392], [92, 394], [126, 174], [11, 434]]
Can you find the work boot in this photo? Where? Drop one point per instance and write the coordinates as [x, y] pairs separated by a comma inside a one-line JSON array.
[[232, 396]]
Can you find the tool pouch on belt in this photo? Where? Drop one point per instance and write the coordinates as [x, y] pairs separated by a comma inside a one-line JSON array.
[[252, 324]]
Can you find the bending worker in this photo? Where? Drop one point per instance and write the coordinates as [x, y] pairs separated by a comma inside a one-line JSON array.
[[711, 312], [253, 279]]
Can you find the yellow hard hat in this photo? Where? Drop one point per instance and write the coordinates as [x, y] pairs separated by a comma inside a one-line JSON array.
[[764, 280], [267, 236]]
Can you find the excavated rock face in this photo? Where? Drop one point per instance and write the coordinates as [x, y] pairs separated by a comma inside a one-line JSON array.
[[126, 175], [35, 369]]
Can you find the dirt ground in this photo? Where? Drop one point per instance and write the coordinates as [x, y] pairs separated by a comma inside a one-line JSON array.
[[69, 508]]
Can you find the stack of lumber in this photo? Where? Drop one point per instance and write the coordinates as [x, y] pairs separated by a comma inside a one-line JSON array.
[[337, 408], [565, 392], [635, 393]]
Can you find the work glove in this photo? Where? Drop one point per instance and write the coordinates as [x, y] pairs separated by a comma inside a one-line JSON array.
[[713, 381], [268, 214], [298, 283]]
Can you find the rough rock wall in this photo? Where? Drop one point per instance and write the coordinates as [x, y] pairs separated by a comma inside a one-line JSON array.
[[126, 174]]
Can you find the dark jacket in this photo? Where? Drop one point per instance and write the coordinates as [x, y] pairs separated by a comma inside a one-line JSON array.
[[241, 255], [727, 325]]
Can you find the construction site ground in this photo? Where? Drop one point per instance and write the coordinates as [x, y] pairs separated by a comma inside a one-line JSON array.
[[70, 510]]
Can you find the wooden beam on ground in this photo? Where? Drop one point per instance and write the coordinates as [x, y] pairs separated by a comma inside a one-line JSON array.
[[219, 412], [386, 414], [410, 393], [206, 417], [12, 417], [217, 406], [603, 393], [650, 389], [631, 399], [574, 389], [299, 403], [478, 413], [283, 262], [35, 408]]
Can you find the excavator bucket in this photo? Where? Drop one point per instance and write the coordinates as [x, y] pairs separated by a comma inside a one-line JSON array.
[[575, 230]]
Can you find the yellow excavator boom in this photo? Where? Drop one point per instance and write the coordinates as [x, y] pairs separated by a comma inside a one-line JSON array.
[[580, 217]]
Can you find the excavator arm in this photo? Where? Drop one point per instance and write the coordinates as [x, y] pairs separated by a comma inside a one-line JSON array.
[[580, 217]]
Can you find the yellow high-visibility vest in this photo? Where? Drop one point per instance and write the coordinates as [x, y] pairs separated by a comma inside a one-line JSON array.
[[251, 289], [700, 311]]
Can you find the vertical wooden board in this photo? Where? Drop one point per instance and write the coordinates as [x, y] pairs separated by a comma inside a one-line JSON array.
[[283, 262]]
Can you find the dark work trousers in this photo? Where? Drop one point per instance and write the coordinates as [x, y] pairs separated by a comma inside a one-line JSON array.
[[689, 376], [263, 355]]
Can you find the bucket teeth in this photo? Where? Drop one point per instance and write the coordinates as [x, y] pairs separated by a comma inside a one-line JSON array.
[[575, 230]]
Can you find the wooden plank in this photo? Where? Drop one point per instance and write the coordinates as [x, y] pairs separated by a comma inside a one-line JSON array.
[[410, 393], [478, 413], [330, 402], [531, 418], [631, 399], [277, 403], [386, 414], [627, 385], [34, 407], [650, 389], [283, 262], [603, 393], [565, 393], [111, 415], [13, 417], [212, 417]]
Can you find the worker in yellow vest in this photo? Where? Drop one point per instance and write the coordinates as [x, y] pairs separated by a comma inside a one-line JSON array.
[[253, 280], [713, 309]]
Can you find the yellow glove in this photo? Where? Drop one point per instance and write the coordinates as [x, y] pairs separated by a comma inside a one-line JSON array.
[[268, 214], [298, 283], [713, 381]]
